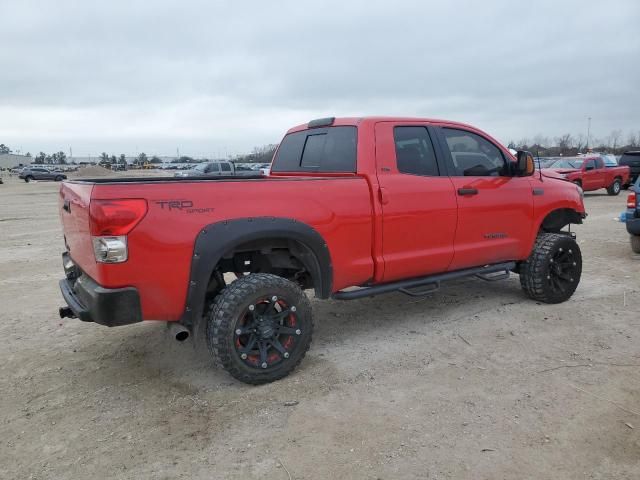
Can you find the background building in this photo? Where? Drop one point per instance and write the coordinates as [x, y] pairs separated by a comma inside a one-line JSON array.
[[10, 160]]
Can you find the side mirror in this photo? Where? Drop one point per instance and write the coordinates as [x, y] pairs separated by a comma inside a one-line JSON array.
[[525, 164]]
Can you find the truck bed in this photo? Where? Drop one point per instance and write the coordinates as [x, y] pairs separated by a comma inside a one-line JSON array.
[[178, 209]]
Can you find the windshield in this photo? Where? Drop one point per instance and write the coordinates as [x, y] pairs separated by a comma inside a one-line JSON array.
[[566, 163]]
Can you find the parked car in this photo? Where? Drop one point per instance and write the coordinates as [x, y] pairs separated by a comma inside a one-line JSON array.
[[631, 159], [41, 173], [210, 169], [632, 216], [590, 173], [433, 201]]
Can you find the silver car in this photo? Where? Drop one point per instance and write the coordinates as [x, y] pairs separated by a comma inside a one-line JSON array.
[[41, 173]]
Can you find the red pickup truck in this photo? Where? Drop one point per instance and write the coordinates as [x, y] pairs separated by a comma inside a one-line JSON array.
[[591, 173], [353, 207]]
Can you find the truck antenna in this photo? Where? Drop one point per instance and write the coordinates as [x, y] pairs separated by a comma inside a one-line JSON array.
[[539, 164]]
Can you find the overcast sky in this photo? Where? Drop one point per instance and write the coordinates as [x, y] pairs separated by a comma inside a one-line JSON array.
[[220, 77]]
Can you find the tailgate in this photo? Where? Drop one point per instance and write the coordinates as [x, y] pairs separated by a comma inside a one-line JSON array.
[[74, 215]]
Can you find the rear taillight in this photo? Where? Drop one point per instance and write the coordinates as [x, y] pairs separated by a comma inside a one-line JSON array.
[[116, 217], [631, 200], [111, 221]]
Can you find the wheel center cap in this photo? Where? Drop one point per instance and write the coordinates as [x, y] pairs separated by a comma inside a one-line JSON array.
[[266, 330]]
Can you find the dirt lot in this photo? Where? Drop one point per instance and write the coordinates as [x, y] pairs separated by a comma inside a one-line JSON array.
[[474, 382]]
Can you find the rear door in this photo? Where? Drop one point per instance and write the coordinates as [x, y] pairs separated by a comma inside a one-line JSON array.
[[213, 169], [226, 168], [419, 210], [495, 210]]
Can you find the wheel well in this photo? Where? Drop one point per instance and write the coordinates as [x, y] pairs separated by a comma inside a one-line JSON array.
[[558, 219], [284, 257]]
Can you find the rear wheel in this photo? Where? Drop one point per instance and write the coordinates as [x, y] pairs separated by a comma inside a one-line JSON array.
[[260, 327], [552, 272], [635, 243], [615, 187], [28, 178], [58, 179]]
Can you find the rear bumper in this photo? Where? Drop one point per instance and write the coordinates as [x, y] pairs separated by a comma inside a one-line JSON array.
[[90, 302]]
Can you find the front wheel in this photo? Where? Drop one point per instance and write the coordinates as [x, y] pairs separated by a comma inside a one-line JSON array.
[[259, 328], [552, 272], [615, 187], [28, 178], [58, 179]]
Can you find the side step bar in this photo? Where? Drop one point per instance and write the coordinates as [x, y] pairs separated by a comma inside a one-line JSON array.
[[432, 281]]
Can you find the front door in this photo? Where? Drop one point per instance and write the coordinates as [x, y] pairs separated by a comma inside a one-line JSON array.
[[419, 210], [495, 210], [593, 176]]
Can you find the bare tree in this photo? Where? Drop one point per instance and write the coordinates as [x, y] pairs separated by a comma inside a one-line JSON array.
[[632, 140], [565, 142], [614, 139], [581, 142], [541, 140]]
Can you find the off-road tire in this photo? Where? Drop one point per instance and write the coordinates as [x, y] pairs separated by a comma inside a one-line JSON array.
[[635, 243], [537, 278], [230, 306], [615, 187], [28, 178]]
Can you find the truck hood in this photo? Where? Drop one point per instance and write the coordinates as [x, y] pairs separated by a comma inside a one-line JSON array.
[[559, 173]]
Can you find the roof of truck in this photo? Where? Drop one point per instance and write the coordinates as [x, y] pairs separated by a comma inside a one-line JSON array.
[[344, 121]]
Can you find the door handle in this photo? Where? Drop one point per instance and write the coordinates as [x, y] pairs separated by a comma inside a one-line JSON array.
[[384, 198], [467, 191]]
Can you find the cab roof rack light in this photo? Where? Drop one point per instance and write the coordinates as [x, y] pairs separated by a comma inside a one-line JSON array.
[[321, 122]]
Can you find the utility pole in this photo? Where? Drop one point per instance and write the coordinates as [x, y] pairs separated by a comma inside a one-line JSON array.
[[588, 132]]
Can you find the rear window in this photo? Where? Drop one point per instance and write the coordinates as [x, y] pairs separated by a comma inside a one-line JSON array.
[[331, 149]]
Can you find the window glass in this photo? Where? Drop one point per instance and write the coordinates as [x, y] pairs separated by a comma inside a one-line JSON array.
[[591, 164], [225, 167], [213, 168], [414, 151], [473, 155], [331, 149]]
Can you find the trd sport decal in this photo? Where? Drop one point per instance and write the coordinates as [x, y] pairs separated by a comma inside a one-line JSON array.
[[185, 206]]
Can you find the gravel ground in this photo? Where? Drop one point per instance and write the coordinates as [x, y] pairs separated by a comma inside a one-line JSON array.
[[473, 382]]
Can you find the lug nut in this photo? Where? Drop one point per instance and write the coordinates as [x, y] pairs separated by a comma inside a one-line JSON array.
[[551, 261], [574, 264], [570, 251], [238, 332], [285, 354], [264, 365], [243, 356], [293, 309], [252, 307], [274, 299], [560, 249], [548, 277], [298, 332]]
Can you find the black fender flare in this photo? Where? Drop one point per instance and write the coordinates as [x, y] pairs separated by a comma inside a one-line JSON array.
[[217, 239]]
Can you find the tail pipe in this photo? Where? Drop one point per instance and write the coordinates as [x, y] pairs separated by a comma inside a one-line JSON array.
[[179, 331]]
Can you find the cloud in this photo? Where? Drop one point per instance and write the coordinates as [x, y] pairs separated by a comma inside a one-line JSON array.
[[213, 76]]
